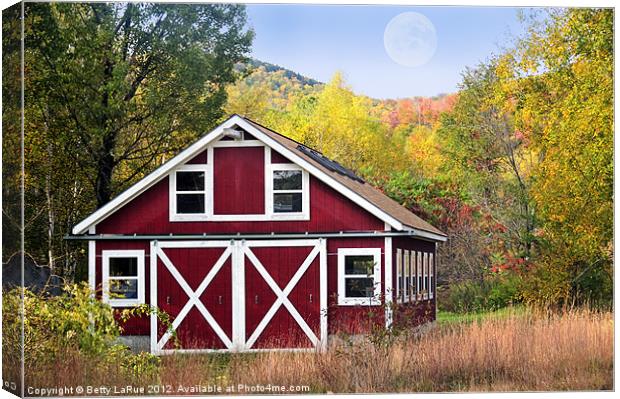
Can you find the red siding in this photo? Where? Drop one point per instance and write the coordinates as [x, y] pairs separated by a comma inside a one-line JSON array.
[[201, 158], [329, 212], [276, 157], [239, 180]]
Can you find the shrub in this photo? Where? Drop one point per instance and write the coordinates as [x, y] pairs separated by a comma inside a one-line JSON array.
[[492, 293], [75, 323]]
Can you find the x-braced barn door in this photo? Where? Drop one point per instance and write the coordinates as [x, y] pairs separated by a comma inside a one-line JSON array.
[[239, 295]]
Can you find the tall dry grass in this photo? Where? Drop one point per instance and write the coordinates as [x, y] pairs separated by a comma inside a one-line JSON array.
[[522, 352], [531, 352]]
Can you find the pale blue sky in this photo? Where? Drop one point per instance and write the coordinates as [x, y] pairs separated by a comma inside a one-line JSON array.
[[318, 40]]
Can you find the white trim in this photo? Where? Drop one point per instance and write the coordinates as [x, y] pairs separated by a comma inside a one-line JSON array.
[[105, 266], [406, 276], [251, 350], [153, 290], [92, 262], [172, 192], [413, 281], [399, 275], [376, 276], [200, 145], [237, 143], [426, 234], [238, 297], [420, 275], [387, 253], [425, 274], [209, 214], [431, 276], [323, 291], [305, 192]]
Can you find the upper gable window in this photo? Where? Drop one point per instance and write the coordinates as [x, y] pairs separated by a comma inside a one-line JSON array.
[[287, 191], [188, 191]]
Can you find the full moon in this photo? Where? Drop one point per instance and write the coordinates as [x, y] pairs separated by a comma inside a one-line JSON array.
[[410, 39]]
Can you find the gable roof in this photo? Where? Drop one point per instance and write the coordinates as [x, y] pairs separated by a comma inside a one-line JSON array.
[[363, 194]]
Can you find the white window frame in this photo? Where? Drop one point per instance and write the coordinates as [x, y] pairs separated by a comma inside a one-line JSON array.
[[270, 191], [431, 275], [413, 281], [210, 216], [182, 217], [420, 277], [105, 265], [399, 275], [425, 278], [375, 300], [406, 276]]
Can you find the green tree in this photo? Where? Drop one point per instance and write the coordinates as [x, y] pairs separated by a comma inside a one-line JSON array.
[[128, 82], [112, 89]]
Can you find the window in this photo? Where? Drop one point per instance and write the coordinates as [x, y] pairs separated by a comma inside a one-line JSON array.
[[359, 276], [425, 270], [406, 291], [287, 191], [399, 274], [431, 275], [414, 278], [188, 191], [419, 268], [123, 277]]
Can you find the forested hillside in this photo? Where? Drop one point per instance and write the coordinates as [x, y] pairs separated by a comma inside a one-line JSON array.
[[517, 166]]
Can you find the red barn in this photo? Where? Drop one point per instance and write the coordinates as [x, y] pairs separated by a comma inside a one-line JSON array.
[[251, 241]]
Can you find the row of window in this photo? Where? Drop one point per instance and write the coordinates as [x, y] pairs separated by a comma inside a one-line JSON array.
[[415, 275], [359, 276], [190, 191], [359, 271]]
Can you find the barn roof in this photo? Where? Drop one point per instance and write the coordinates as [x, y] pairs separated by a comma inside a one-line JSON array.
[[363, 194]]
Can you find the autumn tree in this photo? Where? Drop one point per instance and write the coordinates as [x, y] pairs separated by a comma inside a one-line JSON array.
[[564, 71], [131, 81], [112, 90]]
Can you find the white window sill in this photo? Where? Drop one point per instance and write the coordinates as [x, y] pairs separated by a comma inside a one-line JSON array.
[[124, 303], [358, 302]]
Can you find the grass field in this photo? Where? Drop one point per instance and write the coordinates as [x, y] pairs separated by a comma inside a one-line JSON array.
[[509, 350]]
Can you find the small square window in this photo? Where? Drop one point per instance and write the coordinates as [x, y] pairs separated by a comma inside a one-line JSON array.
[[359, 276], [288, 191], [123, 277]]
